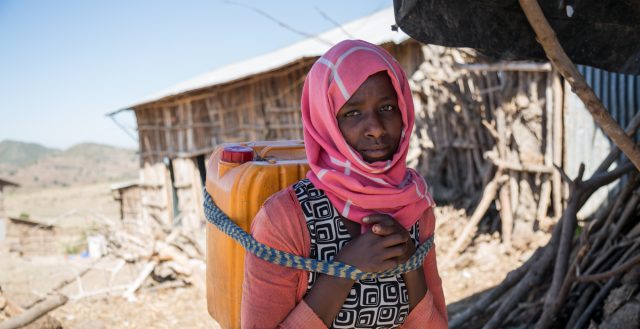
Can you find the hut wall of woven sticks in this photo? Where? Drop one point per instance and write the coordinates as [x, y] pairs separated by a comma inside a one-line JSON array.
[[481, 126]]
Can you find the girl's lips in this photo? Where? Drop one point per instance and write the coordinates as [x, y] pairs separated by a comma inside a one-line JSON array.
[[376, 149], [377, 152]]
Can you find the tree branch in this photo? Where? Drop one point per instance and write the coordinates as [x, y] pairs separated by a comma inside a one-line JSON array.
[[605, 275], [547, 38], [34, 313]]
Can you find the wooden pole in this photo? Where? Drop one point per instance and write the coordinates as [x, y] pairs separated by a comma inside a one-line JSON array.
[[135, 285], [505, 66], [547, 38], [506, 215], [1, 201], [558, 145], [488, 196], [34, 313]]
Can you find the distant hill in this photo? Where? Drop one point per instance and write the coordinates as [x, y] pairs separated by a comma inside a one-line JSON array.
[[33, 165], [18, 154]]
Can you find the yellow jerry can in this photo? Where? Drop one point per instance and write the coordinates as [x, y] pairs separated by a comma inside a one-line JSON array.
[[240, 177]]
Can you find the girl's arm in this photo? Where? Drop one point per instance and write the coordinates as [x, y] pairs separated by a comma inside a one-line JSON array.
[[272, 294], [431, 311], [416, 286], [327, 296]]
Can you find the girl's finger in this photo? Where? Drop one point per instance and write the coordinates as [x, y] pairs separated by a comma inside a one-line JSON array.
[[383, 230], [393, 252], [394, 239], [378, 219], [389, 264], [381, 224]]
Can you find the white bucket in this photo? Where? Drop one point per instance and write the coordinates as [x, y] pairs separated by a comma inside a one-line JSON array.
[[3, 229], [97, 246]]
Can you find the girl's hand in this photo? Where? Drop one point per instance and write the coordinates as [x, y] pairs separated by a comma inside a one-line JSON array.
[[372, 252], [385, 225]]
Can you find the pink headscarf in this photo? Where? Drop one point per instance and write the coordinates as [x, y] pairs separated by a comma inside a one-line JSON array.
[[355, 187]]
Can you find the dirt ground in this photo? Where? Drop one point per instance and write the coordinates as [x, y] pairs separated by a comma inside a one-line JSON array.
[[172, 308], [482, 266], [70, 207], [23, 281]]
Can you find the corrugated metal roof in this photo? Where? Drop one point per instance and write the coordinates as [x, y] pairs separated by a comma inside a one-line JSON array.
[[584, 140], [375, 28], [4, 182], [31, 222], [124, 185], [619, 93]]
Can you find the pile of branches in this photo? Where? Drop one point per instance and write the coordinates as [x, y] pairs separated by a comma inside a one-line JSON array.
[[576, 280], [171, 261]]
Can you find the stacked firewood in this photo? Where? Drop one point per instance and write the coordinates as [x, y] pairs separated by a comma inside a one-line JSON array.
[[170, 260], [590, 279]]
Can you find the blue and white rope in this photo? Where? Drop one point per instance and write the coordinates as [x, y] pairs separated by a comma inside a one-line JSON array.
[[219, 219]]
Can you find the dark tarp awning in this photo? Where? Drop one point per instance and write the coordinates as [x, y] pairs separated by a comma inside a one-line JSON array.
[[599, 33]]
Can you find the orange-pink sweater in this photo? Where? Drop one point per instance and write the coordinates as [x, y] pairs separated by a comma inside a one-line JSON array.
[[272, 295]]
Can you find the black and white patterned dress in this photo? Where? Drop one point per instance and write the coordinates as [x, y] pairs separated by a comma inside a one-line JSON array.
[[375, 303]]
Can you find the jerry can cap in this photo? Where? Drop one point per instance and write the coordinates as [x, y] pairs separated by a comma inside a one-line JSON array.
[[237, 154]]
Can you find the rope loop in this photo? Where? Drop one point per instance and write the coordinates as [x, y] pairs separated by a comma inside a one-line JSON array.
[[219, 219]]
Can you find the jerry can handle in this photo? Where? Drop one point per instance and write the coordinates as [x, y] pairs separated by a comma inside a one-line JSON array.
[[263, 153]]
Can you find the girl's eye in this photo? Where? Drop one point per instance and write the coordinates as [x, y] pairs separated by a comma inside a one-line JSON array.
[[352, 113], [387, 108]]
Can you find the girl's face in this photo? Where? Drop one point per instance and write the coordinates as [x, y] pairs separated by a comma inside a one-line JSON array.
[[370, 120]]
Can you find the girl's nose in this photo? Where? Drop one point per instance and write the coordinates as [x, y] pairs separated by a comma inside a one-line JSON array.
[[375, 127]]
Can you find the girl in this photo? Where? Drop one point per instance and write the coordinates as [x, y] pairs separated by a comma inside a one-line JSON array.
[[359, 205]]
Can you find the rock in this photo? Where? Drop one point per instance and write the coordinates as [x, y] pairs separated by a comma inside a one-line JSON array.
[[626, 317], [633, 276], [622, 306], [617, 298]]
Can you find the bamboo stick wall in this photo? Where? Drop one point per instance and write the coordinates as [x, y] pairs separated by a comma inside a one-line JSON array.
[[32, 239], [129, 199], [189, 192], [156, 200], [485, 135], [256, 108]]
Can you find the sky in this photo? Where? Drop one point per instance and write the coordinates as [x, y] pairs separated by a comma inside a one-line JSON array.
[[65, 64]]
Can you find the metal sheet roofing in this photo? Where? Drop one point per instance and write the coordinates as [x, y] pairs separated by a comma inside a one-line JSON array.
[[4, 182]]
